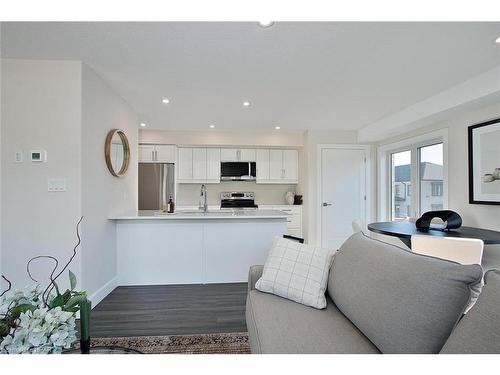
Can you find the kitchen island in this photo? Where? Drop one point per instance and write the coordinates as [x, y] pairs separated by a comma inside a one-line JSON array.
[[192, 247]]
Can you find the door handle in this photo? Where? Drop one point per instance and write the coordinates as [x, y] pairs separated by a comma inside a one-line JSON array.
[[327, 204]]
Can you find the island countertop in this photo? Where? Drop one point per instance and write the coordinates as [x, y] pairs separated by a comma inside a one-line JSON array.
[[200, 215]]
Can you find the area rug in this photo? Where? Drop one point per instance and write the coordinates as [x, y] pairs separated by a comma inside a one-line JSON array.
[[213, 343]]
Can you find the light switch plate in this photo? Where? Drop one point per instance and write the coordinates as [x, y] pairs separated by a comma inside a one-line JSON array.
[[56, 185], [18, 158]]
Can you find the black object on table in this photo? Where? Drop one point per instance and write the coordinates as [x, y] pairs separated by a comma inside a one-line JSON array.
[[404, 231], [104, 350]]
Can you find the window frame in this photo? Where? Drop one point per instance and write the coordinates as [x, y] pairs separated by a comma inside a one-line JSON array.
[[384, 175]]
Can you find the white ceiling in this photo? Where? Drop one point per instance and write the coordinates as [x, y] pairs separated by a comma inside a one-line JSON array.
[[296, 75]]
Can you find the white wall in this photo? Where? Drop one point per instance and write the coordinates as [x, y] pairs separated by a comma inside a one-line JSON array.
[[40, 110], [221, 138], [66, 109], [1, 280], [103, 194], [483, 216]]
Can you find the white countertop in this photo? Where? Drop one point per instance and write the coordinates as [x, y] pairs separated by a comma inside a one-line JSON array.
[[209, 215]]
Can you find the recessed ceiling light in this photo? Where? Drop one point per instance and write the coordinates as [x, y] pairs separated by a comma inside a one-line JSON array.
[[143, 124], [246, 104], [497, 40], [165, 101], [212, 126], [266, 23], [277, 127]]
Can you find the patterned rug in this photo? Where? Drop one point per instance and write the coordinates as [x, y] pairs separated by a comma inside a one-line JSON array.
[[214, 343]]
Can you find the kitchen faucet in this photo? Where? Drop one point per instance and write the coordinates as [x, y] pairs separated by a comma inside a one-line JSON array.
[[203, 194]]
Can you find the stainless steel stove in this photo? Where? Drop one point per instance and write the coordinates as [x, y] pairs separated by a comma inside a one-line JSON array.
[[238, 200]]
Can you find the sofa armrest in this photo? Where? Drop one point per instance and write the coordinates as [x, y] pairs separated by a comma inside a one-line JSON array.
[[254, 274]]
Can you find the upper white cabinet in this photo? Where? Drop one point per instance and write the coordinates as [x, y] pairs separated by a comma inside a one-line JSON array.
[[157, 154], [184, 164], [277, 166], [262, 164], [198, 165], [237, 154], [213, 165], [291, 165], [146, 154]]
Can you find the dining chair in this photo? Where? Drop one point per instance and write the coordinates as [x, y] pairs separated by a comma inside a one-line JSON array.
[[460, 250], [357, 226]]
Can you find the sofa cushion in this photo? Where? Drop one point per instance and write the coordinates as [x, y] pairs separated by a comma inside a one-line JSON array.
[[296, 271], [403, 302], [479, 331], [278, 325]]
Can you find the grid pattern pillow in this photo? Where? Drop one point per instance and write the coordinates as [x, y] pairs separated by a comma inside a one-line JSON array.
[[296, 271]]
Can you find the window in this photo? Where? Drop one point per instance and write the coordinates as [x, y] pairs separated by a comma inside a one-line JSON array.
[[431, 177], [400, 175], [412, 176], [437, 189]]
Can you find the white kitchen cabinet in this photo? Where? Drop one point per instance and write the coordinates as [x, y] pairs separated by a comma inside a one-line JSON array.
[[278, 166], [293, 221], [157, 153], [229, 154], [291, 165], [146, 153], [198, 165], [275, 165], [262, 158], [185, 164], [213, 165], [237, 154], [165, 153]]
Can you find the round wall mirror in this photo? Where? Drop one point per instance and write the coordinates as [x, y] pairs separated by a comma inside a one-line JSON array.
[[117, 152]]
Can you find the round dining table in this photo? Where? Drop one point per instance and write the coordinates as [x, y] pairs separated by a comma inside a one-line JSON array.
[[404, 231]]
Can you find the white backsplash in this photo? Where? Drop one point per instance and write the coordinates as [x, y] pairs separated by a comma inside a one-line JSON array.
[[188, 194]]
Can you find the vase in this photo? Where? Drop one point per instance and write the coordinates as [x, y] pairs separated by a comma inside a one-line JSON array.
[[289, 197]]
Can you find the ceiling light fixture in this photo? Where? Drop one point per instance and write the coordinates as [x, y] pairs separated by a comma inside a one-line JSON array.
[[497, 40], [212, 126], [277, 127], [266, 24], [143, 124], [165, 101], [246, 104]]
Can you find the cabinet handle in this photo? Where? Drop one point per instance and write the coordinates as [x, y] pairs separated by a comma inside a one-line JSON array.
[[238, 155]]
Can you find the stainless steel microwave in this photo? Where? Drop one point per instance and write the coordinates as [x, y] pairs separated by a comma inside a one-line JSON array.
[[238, 171]]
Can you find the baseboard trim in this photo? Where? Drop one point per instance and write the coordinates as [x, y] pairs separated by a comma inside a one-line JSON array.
[[103, 291]]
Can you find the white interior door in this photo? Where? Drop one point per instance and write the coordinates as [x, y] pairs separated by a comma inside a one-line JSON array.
[[343, 193]]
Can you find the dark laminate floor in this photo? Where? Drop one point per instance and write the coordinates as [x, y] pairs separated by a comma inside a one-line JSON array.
[[170, 309]]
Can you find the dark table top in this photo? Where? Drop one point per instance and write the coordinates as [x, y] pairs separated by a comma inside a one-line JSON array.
[[406, 230]]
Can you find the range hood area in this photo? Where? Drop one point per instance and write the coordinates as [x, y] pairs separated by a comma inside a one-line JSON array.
[[238, 171]]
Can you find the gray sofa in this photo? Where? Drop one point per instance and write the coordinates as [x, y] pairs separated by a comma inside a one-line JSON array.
[[381, 299]]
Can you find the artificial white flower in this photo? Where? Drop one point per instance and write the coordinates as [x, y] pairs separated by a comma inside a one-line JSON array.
[[40, 331]]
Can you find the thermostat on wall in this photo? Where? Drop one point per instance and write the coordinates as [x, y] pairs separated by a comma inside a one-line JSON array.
[[39, 155]]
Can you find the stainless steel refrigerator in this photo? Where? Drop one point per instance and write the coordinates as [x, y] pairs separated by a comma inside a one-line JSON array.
[[156, 185]]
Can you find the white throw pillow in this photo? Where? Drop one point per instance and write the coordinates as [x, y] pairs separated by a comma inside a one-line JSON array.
[[296, 271]]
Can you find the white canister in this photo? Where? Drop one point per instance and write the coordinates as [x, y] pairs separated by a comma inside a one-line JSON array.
[[290, 197]]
